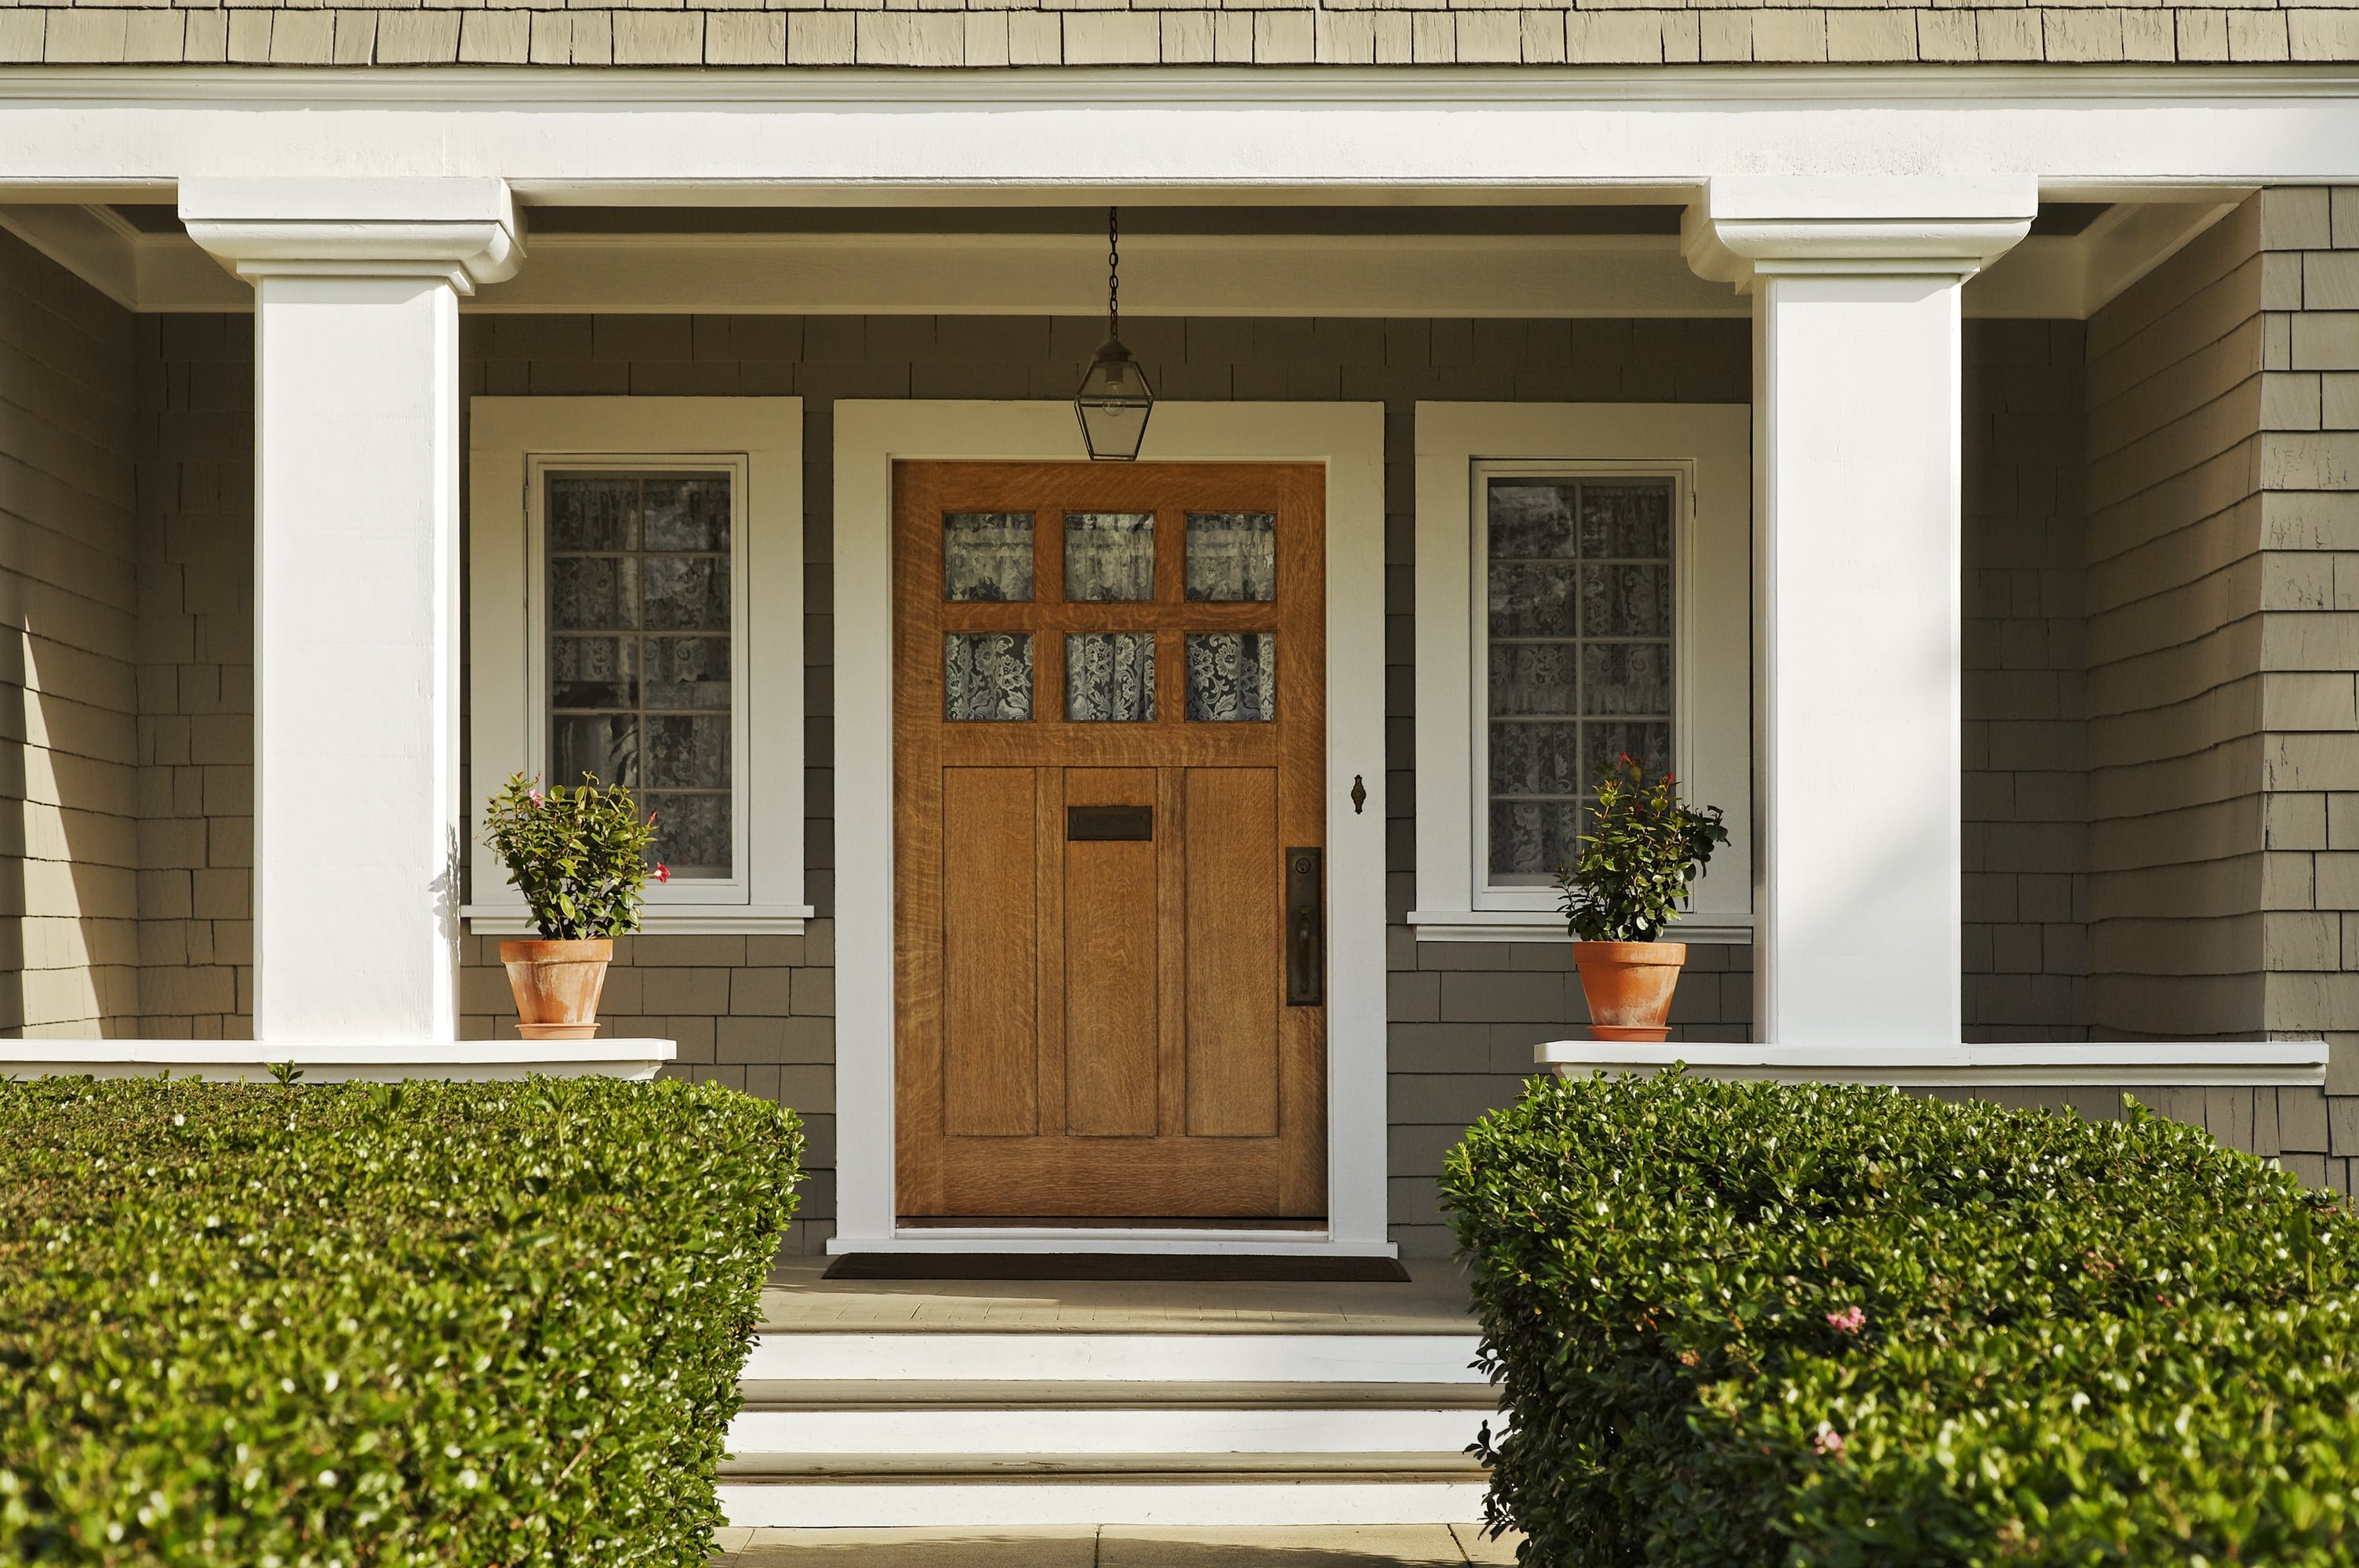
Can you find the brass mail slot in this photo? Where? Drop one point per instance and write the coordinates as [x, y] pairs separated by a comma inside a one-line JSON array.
[[1100, 822]]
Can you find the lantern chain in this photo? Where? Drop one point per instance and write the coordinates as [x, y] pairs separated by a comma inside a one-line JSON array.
[[1114, 272]]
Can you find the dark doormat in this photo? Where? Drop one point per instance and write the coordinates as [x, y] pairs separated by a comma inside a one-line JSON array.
[[1208, 1268]]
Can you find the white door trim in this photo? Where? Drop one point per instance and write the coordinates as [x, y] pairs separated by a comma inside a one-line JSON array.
[[1349, 438]]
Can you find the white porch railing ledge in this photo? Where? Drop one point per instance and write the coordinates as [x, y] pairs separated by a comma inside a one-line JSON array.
[[342, 1062], [2107, 1064]]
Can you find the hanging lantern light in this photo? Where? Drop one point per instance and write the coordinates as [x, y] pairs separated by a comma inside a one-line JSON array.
[[1115, 399]]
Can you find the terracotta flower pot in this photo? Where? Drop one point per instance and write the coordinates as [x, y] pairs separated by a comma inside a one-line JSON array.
[[1629, 987], [557, 986]]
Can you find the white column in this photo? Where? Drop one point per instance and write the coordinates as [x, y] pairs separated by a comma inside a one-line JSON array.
[[356, 587], [1857, 655]]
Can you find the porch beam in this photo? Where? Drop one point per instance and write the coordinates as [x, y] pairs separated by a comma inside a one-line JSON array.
[[358, 816], [1858, 654]]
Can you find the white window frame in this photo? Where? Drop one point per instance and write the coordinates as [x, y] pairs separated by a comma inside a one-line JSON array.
[[1706, 451], [516, 442]]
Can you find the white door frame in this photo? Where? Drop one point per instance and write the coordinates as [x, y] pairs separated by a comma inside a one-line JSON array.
[[1349, 438]]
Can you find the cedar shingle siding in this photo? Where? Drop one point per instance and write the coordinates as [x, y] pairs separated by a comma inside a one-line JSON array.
[[1165, 32], [70, 835]]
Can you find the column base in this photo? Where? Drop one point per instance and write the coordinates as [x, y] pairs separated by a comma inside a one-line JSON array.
[[243, 1061]]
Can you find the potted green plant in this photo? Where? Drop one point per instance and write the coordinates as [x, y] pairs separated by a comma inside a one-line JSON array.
[[1642, 850], [580, 858]]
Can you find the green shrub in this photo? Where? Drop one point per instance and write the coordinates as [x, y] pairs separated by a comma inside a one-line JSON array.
[[449, 1323], [1751, 1324]]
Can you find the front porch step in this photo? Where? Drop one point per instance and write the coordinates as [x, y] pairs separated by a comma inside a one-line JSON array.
[[1048, 1428], [1442, 1466], [882, 1394]]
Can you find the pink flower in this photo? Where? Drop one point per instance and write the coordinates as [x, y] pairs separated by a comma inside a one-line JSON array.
[[537, 798], [663, 872], [651, 819], [1829, 1442], [1849, 1320]]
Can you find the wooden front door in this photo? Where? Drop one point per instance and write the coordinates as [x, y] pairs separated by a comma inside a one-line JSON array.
[[1109, 739]]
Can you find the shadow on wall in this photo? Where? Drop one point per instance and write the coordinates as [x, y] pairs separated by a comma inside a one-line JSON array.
[[68, 942]]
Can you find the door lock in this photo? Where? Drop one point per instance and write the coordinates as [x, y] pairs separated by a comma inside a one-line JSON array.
[[1306, 927]]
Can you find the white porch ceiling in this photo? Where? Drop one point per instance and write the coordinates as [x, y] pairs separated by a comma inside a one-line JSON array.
[[952, 268]]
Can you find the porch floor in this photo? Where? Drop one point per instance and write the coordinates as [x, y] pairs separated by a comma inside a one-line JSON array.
[[1117, 1546], [1432, 1300]]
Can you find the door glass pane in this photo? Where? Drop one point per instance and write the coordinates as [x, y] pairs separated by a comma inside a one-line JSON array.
[[1232, 676], [1110, 675], [1231, 556], [987, 675], [1109, 555], [987, 556], [640, 632]]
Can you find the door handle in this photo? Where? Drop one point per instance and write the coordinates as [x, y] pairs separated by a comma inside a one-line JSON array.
[[1306, 928]]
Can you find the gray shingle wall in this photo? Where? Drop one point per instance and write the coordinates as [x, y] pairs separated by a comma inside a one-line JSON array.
[[70, 834], [2308, 589], [2224, 637], [998, 33], [2026, 694], [2176, 777], [195, 675]]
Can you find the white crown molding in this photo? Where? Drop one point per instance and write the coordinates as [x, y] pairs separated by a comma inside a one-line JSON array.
[[1749, 227], [464, 231]]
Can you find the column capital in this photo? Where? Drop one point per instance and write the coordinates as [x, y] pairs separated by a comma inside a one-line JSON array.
[[466, 231], [1750, 226]]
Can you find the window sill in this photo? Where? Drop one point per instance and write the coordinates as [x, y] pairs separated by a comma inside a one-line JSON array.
[[1535, 925], [671, 920]]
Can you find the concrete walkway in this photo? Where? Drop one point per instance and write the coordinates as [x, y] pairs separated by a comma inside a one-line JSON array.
[[1116, 1546]]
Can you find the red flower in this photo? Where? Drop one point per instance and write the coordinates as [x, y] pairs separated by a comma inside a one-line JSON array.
[[663, 872]]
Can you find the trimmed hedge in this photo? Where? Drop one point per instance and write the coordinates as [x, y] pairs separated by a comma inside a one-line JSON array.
[[449, 1323], [1754, 1324]]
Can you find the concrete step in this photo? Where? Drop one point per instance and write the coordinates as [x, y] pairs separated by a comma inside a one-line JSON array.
[[888, 1394], [1047, 1427], [1090, 1357]]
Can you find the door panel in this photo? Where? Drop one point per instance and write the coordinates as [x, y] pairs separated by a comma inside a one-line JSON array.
[[989, 946], [1109, 725], [1110, 961], [1233, 927]]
